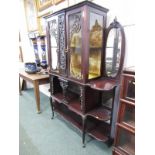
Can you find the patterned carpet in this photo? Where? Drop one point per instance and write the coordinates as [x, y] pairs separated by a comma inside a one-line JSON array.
[[39, 135]]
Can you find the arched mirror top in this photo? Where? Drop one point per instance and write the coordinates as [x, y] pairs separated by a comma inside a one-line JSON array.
[[114, 50]]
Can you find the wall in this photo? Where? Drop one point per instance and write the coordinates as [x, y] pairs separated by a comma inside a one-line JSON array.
[[123, 10]]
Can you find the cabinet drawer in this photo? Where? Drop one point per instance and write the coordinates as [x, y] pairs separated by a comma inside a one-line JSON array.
[[128, 89]]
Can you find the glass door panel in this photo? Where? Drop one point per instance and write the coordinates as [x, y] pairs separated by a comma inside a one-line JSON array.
[[128, 115], [54, 43], [95, 44], [130, 89], [75, 45], [126, 142], [54, 56]]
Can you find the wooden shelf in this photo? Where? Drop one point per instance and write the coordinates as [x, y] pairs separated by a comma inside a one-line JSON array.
[[103, 84], [100, 113], [69, 116], [58, 97], [71, 102], [76, 107], [99, 132]]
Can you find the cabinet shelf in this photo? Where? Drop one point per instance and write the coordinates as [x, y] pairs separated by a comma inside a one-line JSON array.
[[58, 97], [71, 102], [99, 132], [100, 113], [76, 107], [68, 115], [103, 84]]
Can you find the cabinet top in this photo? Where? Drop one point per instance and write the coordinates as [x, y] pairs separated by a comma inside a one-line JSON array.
[[129, 70], [87, 3]]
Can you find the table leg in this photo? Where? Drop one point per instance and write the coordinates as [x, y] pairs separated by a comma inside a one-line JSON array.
[[20, 92], [37, 95]]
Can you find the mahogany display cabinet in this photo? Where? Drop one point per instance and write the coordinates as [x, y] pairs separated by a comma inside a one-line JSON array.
[[86, 61], [125, 132]]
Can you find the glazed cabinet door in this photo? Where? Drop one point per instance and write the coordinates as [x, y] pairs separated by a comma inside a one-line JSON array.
[[96, 27], [85, 41], [74, 43], [57, 44]]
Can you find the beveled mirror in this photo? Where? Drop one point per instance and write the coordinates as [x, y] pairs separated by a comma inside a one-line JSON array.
[[114, 50]]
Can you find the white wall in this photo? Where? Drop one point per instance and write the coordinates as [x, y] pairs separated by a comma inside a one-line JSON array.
[[122, 9]]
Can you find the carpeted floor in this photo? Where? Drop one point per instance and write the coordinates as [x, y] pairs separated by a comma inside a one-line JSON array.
[[39, 135]]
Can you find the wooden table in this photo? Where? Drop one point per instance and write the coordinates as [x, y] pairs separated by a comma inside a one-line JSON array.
[[36, 79]]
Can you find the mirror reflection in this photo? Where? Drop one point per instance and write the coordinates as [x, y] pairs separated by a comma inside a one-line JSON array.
[[113, 52]]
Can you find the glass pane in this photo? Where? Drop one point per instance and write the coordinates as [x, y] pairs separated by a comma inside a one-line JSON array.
[[129, 116], [54, 43], [113, 52], [54, 55], [54, 32], [95, 45], [75, 45], [131, 89], [126, 141]]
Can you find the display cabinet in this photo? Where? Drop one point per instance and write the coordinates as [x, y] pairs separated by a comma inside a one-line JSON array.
[[84, 75], [125, 133]]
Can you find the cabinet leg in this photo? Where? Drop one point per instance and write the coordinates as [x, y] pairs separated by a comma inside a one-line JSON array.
[[52, 107], [83, 131], [110, 142]]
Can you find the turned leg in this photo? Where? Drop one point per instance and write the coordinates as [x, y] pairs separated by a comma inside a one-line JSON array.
[[37, 95], [83, 130], [52, 107]]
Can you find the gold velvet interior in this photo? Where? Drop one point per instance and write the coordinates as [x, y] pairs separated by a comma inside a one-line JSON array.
[[94, 64]]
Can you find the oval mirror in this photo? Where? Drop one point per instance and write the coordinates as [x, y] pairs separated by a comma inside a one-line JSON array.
[[114, 51]]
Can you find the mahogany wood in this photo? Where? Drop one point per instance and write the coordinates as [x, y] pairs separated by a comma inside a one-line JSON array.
[[126, 127], [80, 100]]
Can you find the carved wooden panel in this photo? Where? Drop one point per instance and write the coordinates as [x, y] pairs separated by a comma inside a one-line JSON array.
[[82, 97], [62, 55]]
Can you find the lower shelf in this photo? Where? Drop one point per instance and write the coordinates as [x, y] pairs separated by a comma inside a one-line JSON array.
[[99, 131], [68, 115]]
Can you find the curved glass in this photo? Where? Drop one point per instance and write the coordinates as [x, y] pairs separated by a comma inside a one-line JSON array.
[[113, 52]]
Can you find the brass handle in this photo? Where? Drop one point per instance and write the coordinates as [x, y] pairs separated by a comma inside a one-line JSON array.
[[67, 50]]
